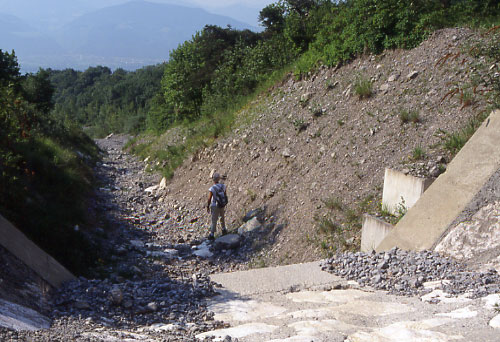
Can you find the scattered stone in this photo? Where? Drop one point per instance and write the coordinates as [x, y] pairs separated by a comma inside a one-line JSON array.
[[412, 75], [137, 243], [384, 88], [393, 77], [152, 307], [116, 295], [151, 189], [286, 153], [203, 251]]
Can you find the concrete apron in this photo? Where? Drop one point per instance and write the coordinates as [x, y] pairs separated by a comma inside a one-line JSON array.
[[302, 303]]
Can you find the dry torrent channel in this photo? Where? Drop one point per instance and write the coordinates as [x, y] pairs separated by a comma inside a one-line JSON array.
[[168, 283]]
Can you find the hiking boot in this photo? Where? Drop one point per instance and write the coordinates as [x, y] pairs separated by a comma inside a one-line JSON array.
[[211, 237], [224, 231]]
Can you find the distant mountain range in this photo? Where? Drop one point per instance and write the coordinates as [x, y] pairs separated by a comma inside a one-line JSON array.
[[129, 36]]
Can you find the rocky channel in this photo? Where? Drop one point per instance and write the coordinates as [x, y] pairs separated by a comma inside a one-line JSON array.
[[153, 283]]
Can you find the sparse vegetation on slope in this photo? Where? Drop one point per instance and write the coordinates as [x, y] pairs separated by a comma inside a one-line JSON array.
[[296, 164]]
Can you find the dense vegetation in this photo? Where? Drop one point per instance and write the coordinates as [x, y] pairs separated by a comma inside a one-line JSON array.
[[105, 101], [44, 167]]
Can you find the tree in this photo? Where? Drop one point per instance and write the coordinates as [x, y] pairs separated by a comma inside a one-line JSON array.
[[272, 17], [38, 90], [191, 67], [9, 68], [302, 7]]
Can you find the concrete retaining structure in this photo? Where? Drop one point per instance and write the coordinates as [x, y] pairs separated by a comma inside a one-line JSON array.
[[25, 250], [373, 233], [425, 223], [402, 190]]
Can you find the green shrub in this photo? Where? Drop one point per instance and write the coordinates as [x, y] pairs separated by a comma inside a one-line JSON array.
[[327, 225], [363, 87], [418, 153], [454, 142]]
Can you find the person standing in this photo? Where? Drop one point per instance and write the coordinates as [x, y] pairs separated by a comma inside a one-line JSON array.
[[216, 205]]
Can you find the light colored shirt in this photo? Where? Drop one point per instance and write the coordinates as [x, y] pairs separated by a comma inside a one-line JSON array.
[[213, 189]]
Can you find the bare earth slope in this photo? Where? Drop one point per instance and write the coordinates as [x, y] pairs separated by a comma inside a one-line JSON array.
[[309, 141]]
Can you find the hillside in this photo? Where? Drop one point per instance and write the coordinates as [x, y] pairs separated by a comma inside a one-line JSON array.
[[313, 153], [26, 40], [137, 30]]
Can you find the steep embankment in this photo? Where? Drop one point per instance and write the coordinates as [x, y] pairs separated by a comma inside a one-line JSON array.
[[314, 151]]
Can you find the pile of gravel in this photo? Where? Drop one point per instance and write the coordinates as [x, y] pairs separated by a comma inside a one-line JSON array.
[[404, 273]]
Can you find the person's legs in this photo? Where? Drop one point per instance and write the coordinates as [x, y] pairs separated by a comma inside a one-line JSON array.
[[223, 220], [215, 217]]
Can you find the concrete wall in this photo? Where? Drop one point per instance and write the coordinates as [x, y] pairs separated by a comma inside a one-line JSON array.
[[373, 233], [446, 198], [402, 190], [29, 253]]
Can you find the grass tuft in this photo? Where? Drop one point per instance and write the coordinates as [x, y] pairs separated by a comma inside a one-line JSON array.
[[407, 116], [363, 87]]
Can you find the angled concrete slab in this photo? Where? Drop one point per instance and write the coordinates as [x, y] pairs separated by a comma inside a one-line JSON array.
[[17, 317], [35, 258], [426, 222], [275, 279]]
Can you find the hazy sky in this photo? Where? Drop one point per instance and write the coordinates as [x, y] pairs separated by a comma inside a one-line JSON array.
[[223, 3], [245, 10]]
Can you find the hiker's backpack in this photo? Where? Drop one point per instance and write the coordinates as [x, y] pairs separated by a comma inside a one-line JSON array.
[[220, 196]]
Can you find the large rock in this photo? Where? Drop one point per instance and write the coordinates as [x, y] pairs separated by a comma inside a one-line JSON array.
[[253, 213], [230, 241], [250, 226]]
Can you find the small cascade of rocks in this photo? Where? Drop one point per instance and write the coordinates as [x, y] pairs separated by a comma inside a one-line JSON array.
[[404, 273]]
